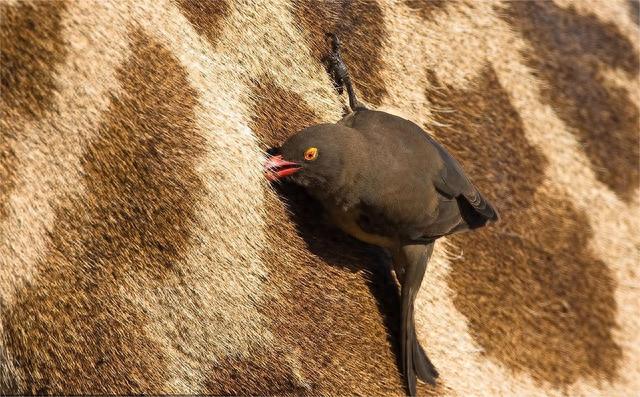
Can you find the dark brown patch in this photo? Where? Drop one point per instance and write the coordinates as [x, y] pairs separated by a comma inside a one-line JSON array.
[[31, 47], [360, 26], [634, 10], [8, 164], [256, 375], [335, 299], [278, 113], [73, 331], [426, 8], [536, 298], [205, 16], [569, 52]]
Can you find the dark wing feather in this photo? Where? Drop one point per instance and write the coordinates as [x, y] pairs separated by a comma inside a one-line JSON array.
[[452, 182]]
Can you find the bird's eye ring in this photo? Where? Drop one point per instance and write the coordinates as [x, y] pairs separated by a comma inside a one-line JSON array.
[[311, 154]]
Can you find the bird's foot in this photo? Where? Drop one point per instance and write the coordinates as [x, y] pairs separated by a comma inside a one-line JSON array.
[[335, 65], [337, 69]]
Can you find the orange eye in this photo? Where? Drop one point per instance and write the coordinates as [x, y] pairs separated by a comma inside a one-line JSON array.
[[311, 154]]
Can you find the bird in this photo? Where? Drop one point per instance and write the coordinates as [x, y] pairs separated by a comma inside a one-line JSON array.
[[385, 181]]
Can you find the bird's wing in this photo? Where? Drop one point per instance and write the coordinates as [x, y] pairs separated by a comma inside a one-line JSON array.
[[452, 182]]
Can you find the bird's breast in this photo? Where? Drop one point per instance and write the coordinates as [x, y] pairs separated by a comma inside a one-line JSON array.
[[354, 223]]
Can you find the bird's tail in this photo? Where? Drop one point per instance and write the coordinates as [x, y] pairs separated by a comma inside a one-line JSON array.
[[476, 210], [415, 362], [487, 210]]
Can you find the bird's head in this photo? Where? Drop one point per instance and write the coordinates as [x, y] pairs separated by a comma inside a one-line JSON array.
[[314, 157]]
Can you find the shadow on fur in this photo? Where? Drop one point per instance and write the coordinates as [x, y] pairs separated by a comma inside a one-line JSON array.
[[339, 249]]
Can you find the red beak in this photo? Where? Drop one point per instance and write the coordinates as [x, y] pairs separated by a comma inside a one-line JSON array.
[[277, 168]]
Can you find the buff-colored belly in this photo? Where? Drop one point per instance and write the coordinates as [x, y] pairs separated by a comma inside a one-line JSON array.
[[347, 222]]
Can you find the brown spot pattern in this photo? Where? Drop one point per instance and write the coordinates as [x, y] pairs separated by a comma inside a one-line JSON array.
[[569, 51], [335, 297], [74, 330], [536, 297], [264, 373], [278, 113], [31, 47], [553, 312], [360, 26], [205, 16]]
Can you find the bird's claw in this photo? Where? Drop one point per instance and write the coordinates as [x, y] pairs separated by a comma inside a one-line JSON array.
[[335, 65], [337, 69]]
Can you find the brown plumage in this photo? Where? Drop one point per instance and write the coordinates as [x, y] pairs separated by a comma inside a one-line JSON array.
[[385, 181]]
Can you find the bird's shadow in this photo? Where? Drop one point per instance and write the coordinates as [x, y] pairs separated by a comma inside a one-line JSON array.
[[338, 249]]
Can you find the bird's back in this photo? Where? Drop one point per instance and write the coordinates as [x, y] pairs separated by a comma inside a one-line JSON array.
[[414, 182]]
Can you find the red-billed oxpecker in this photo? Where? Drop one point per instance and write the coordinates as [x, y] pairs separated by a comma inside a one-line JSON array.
[[385, 181]]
